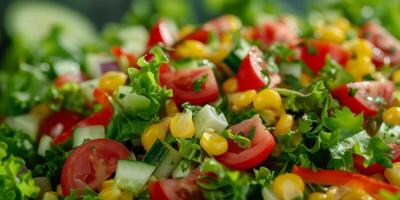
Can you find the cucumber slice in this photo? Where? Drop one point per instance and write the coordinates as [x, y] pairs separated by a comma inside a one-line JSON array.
[[134, 39], [130, 101], [293, 69], [237, 54], [208, 117], [133, 175], [27, 123], [88, 133], [390, 134], [32, 20], [165, 157], [62, 67], [44, 145]]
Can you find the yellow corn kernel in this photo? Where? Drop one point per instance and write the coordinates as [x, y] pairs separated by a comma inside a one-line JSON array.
[[270, 115], [230, 85], [305, 79], [378, 176], [213, 143], [191, 49], [288, 186], [356, 194], [110, 193], [106, 184], [152, 133], [126, 195], [171, 108], [362, 47], [282, 111], [297, 138], [342, 23], [331, 33], [360, 67], [59, 190], [41, 110], [284, 124], [110, 81], [50, 196], [393, 174], [317, 196], [186, 30], [396, 76], [267, 99], [246, 98], [182, 125], [392, 116]]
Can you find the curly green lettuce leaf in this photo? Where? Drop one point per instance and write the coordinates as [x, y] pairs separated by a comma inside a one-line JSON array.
[[87, 194], [13, 183], [345, 121], [333, 75]]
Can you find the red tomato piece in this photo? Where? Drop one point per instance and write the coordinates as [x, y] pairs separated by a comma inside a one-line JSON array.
[[119, 53], [68, 78], [161, 33], [182, 83], [271, 32], [335, 177], [366, 93], [102, 117], [91, 164], [261, 147], [387, 46], [314, 53], [58, 122], [376, 168], [253, 72], [175, 189]]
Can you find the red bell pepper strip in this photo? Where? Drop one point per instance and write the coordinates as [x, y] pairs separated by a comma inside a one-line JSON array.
[[119, 53], [336, 177], [102, 117]]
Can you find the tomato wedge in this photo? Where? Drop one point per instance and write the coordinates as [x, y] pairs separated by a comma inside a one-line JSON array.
[[253, 72], [261, 147], [314, 53], [120, 53], [219, 25], [387, 46], [368, 96], [58, 122], [175, 189], [161, 33], [182, 82], [68, 78], [101, 117], [335, 177], [91, 164], [376, 168], [271, 32]]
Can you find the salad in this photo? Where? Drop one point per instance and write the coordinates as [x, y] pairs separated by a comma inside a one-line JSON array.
[[282, 110]]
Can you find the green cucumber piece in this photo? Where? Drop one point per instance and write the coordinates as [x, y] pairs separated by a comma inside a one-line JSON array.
[[32, 20], [88, 133], [390, 134], [87, 88], [208, 117], [130, 101], [62, 67], [27, 123], [237, 54], [293, 69], [44, 145], [165, 157], [133, 175]]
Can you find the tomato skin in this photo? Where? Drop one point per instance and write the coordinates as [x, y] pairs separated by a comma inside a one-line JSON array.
[[387, 46], [102, 117], [68, 78], [376, 168], [161, 33], [175, 189], [58, 122], [181, 82], [316, 60], [261, 147], [359, 103], [91, 163], [250, 74], [335, 177], [271, 32]]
